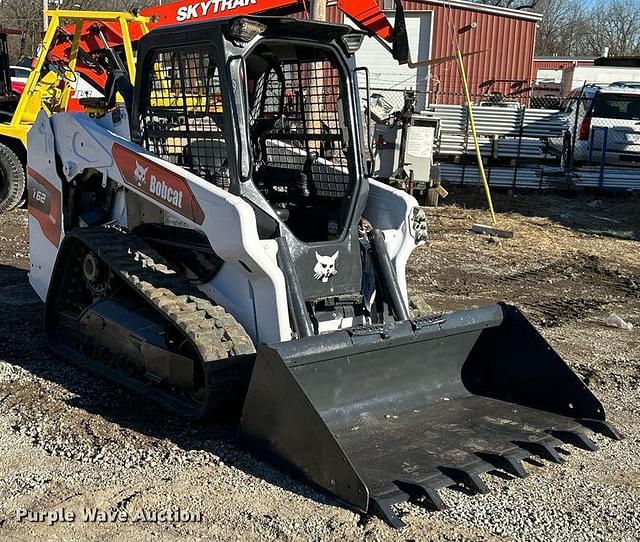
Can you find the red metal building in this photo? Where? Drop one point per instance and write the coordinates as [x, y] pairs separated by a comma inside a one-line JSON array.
[[503, 39], [560, 62]]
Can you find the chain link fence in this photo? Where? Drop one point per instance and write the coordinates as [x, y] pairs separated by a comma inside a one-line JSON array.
[[602, 143], [589, 139]]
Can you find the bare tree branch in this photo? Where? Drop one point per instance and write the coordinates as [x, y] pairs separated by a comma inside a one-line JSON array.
[[512, 4]]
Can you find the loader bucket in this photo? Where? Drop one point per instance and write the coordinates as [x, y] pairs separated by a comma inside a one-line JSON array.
[[382, 415]]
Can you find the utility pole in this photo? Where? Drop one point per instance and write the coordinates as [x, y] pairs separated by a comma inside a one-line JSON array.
[[319, 10]]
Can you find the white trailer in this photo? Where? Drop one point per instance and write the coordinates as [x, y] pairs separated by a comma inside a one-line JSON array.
[[576, 76]]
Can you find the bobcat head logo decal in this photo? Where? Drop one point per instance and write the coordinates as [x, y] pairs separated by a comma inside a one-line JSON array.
[[325, 267], [140, 174]]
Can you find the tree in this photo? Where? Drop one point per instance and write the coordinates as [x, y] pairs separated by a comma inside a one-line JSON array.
[[562, 27], [571, 28], [616, 25], [22, 15], [578, 28], [512, 4]]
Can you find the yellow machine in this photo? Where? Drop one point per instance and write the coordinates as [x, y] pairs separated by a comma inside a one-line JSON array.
[[50, 87]]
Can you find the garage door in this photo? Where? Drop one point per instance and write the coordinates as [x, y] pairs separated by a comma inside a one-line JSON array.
[[387, 76]]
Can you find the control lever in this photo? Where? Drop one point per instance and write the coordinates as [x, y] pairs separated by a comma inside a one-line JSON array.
[[306, 179]]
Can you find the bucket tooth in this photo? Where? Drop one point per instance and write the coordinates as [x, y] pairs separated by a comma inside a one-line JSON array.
[[504, 462], [577, 438], [467, 478], [544, 450], [381, 507], [419, 489], [602, 427]]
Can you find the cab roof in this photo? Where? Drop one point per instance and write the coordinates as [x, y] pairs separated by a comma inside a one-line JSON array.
[[288, 27]]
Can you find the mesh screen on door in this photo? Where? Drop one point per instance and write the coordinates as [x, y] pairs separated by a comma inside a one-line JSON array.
[[182, 121], [296, 115]]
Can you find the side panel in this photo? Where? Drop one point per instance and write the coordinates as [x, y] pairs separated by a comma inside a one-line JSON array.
[[163, 186], [390, 210], [44, 190]]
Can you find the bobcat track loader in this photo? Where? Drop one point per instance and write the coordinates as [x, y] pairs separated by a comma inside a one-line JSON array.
[[219, 241]]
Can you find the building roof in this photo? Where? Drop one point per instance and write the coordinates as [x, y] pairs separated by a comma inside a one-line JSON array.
[[618, 61], [485, 8], [551, 58]]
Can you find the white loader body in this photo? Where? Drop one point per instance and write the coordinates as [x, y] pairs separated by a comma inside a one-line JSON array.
[[250, 286]]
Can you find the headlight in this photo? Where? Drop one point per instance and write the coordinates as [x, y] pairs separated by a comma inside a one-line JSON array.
[[418, 223], [244, 30]]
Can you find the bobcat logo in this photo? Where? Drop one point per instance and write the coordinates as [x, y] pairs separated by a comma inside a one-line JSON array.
[[326, 267], [140, 174]]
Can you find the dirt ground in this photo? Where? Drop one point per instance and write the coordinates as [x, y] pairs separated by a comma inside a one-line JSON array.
[[69, 441]]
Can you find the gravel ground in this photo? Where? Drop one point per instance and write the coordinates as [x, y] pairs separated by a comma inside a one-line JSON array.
[[70, 441]]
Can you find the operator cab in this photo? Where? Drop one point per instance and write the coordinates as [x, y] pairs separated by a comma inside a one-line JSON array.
[[291, 123], [8, 97], [300, 142], [268, 109]]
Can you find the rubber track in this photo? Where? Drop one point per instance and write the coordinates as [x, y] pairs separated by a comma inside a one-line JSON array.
[[214, 333], [15, 178]]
